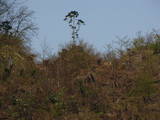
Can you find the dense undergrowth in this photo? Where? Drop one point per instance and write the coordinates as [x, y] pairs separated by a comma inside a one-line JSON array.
[[78, 83]]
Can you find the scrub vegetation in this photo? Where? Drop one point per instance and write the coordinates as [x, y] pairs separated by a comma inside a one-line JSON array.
[[77, 83]]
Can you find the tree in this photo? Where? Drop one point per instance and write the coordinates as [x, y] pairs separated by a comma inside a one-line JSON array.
[[16, 27], [5, 27], [4, 7], [74, 24], [16, 19]]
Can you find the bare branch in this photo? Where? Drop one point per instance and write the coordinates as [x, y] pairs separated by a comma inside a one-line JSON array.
[[19, 18]]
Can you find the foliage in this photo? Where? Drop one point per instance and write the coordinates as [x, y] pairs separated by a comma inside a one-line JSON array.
[[78, 83], [74, 23]]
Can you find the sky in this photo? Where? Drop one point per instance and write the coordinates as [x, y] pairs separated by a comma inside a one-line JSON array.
[[105, 20]]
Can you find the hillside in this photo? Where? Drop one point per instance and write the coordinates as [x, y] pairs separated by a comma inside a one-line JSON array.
[[77, 83]]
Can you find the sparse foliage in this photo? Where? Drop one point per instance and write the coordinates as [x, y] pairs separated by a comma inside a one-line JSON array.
[[16, 19], [74, 23]]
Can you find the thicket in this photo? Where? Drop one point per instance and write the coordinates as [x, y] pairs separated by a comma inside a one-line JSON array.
[[78, 83]]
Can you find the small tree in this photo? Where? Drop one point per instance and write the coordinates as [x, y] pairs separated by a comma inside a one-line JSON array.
[[74, 24], [16, 19]]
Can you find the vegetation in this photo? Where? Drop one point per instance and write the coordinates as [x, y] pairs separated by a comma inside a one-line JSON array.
[[78, 83]]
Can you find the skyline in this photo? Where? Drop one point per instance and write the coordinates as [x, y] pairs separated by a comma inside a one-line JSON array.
[[104, 20]]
